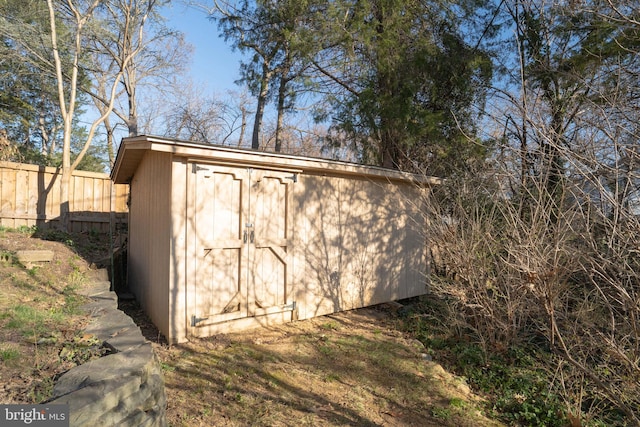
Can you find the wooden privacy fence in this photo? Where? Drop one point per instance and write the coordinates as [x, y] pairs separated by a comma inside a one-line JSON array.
[[30, 195]]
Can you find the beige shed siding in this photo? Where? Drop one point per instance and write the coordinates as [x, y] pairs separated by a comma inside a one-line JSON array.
[[149, 237], [329, 236], [361, 241], [179, 256], [414, 263]]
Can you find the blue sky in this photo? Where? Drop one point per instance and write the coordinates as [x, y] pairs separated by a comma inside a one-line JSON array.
[[214, 64]]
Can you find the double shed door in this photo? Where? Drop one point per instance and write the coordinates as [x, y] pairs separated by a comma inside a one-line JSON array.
[[242, 236]]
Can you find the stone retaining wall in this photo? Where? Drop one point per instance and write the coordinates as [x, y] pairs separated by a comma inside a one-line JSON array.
[[124, 388]]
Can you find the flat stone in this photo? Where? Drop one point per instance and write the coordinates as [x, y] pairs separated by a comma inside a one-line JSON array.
[[111, 368], [34, 255], [115, 391], [99, 400], [117, 329], [125, 339], [101, 304], [97, 288]]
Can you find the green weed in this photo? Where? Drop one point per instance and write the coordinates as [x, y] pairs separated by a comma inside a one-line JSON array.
[[21, 229], [33, 271], [458, 403], [520, 389], [24, 229], [82, 349], [329, 326], [76, 279], [42, 390], [72, 301], [166, 367], [331, 377], [32, 322], [516, 380], [326, 350], [441, 413], [54, 235], [9, 354]]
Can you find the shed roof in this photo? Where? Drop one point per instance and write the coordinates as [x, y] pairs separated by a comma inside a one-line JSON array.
[[132, 150]]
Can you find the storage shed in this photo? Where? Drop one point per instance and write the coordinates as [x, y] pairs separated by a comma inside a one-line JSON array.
[[223, 239]]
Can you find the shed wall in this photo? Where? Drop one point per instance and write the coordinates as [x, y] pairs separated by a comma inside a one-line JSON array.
[[149, 237], [359, 243], [353, 242], [179, 256]]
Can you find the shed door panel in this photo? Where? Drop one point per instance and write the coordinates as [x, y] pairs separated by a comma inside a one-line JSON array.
[[241, 241], [268, 272], [219, 292]]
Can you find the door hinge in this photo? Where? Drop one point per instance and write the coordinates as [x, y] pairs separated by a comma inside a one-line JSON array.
[[291, 306], [195, 168], [195, 320], [293, 177]]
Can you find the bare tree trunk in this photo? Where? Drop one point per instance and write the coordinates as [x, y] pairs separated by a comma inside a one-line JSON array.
[[282, 91], [46, 137], [243, 126], [65, 208], [110, 145], [68, 96], [130, 87], [132, 122], [262, 100]]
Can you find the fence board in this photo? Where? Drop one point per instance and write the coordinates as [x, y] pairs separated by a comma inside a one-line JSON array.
[[30, 195]]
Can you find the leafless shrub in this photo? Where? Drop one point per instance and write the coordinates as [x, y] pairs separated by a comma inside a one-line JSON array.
[[562, 270]]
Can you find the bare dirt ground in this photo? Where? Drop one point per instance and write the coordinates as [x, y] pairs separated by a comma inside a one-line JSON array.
[[353, 368]]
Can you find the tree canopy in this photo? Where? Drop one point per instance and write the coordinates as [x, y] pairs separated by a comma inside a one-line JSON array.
[[399, 80]]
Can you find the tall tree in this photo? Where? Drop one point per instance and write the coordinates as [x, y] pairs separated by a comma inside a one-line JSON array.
[[80, 19], [162, 53], [570, 56], [269, 32], [246, 25], [28, 96], [403, 79], [292, 29]]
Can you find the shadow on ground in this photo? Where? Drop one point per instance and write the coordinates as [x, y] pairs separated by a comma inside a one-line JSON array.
[[350, 368]]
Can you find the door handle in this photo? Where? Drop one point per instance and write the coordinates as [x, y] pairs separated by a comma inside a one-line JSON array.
[[244, 236], [253, 236]]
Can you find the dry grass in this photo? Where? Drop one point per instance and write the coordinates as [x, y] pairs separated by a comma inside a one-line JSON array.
[[351, 368], [40, 315]]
